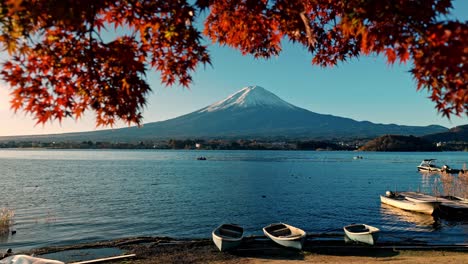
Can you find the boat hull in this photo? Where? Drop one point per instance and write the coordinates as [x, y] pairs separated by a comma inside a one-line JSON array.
[[420, 207], [428, 165], [429, 169], [297, 244], [368, 235], [227, 236], [295, 238]]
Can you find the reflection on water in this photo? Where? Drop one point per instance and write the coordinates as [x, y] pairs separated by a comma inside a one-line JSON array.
[[428, 179], [4, 237], [392, 214]]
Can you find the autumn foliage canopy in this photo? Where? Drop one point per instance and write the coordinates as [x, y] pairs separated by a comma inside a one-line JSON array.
[[62, 60]]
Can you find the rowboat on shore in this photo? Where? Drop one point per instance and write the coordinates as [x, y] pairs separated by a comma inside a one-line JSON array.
[[401, 201], [25, 259], [285, 235], [362, 233], [227, 236]]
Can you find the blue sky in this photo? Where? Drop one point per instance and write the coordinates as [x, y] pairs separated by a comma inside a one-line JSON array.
[[363, 89]]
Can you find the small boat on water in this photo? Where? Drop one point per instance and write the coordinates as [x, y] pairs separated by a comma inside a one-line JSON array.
[[227, 236], [201, 158], [428, 165], [362, 233], [447, 169], [449, 206], [418, 197], [401, 201], [455, 198], [285, 235], [461, 199]]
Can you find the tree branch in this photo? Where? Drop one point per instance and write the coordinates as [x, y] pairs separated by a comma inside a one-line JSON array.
[[90, 32], [310, 36]]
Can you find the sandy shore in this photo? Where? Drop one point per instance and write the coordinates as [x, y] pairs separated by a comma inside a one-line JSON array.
[[402, 257], [276, 255], [201, 255], [166, 250]]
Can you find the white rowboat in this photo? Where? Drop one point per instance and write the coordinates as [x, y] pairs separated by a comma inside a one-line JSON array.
[[285, 235], [462, 199], [448, 205], [362, 233], [227, 236], [400, 201]]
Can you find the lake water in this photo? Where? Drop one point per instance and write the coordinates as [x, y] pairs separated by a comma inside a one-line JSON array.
[[63, 197]]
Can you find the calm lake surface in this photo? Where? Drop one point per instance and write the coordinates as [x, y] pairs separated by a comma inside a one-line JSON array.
[[62, 197]]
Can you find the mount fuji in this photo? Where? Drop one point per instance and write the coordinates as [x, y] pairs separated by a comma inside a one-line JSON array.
[[252, 112]]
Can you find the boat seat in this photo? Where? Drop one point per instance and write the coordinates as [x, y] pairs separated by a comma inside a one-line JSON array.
[[283, 232], [358, 229], [292, 236], [229, 233]]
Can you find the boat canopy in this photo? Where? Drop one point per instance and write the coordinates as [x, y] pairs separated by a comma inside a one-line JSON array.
[[428, 162]]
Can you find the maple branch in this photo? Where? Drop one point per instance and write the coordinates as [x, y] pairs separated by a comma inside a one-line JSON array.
[[310, 38], [98, 36], [90, 32]]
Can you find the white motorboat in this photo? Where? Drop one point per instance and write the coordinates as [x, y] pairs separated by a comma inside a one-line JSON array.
[[362, 233], [428, 165], [227, 236], [285, 235]]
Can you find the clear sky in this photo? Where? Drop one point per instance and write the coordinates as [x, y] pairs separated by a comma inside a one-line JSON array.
[[363, 89]]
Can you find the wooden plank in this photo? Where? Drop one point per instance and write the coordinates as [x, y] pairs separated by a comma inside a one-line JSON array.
[[105, 259]]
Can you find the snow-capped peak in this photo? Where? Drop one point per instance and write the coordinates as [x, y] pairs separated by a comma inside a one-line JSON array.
[[250, 96]]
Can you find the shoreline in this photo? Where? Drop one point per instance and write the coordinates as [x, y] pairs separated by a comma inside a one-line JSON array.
[[253, 250]]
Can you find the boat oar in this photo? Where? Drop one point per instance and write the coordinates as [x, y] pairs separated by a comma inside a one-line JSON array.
[[105, 259]]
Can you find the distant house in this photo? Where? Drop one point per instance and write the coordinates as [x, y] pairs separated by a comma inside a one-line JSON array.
[[198, 145]]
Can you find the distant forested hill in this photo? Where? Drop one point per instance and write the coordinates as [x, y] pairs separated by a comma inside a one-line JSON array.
[[399, 143], [458, 133]]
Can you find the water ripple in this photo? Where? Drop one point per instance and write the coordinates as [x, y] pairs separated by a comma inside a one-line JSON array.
[[70, 196]]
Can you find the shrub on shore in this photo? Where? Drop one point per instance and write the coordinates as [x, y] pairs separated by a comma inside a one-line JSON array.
[[453, 185], [6, 220]]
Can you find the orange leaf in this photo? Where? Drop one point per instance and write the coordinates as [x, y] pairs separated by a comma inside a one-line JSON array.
[[391, 56]]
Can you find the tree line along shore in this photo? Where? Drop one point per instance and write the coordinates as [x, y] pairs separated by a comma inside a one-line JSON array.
[[383, 143]]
